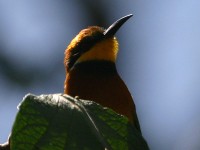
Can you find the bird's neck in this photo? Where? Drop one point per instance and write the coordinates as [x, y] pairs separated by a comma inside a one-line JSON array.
[[105, 50], [96, 67]]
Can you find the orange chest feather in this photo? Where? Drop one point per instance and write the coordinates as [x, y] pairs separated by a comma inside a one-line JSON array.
[[107, 90]]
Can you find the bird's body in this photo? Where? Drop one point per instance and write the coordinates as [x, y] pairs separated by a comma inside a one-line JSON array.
[[92, 74], [104, 87]]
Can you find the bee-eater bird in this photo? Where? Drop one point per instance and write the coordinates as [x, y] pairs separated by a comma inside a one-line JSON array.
[[91, 71]]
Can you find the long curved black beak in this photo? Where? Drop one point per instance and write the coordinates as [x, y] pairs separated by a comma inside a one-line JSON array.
[[116, 25]]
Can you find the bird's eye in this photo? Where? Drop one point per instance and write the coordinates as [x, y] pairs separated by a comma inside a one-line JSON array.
[[83, 46]]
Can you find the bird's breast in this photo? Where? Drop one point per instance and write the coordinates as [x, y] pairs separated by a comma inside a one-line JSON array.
[[102, 84]]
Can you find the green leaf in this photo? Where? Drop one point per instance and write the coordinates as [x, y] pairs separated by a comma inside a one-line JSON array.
[[60, 122]]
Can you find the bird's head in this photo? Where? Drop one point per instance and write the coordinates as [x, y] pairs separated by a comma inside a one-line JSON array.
[[94, 43]]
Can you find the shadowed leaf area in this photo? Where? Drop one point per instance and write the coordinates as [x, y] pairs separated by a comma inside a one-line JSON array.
[[60, 122]]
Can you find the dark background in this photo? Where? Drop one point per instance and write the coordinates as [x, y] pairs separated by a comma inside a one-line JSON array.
[[159, 59]]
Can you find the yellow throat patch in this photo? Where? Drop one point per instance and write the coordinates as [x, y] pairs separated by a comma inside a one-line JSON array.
[[104, 50]]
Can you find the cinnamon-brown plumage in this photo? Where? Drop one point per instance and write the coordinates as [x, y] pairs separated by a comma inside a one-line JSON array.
[[91, 71]]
